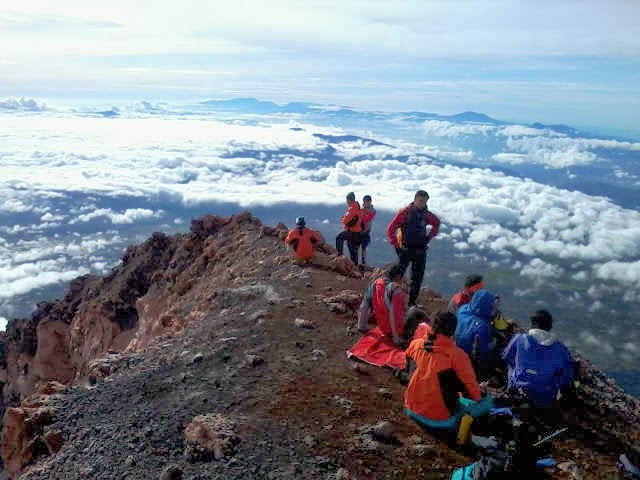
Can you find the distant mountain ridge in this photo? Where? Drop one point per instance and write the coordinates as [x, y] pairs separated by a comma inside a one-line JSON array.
[[254, 105]]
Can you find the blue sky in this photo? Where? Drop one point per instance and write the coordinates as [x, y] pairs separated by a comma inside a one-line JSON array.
[[556, 62]]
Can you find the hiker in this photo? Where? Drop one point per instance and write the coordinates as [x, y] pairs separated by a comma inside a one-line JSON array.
[[472, 284], [352, 222], [388, 304], [538, 364], [384, 302], [376, 348], [442, 372], [302, 240], [474, 333], [368, 214], [407, 233]]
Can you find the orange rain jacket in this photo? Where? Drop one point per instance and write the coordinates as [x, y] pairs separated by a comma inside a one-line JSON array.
[[352, 219], [424, 394], [303, 241]]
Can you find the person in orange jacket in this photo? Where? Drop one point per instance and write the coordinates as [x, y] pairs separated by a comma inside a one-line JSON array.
[[442, 372], [407, 233], [352, 222], [368, 214], [303, 240]]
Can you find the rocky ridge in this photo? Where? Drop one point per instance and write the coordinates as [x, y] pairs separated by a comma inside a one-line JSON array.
[[211, 355]]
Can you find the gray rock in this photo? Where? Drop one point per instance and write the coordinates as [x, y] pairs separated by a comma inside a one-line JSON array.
[[172, 472], [384, 431]]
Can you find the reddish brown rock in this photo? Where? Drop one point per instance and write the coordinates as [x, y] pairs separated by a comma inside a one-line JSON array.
[[53, 358]]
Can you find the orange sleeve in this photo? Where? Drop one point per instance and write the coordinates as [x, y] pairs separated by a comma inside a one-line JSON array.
[[313, 234], [411, 349], [289, 236], [462, 366]]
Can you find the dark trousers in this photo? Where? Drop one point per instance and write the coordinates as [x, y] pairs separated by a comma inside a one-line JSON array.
[[365, 238], [418, 259], [353, 243]]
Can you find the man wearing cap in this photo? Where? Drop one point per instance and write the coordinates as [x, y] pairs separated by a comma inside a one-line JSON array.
[[303, 240], [408, 234], [352, 222]]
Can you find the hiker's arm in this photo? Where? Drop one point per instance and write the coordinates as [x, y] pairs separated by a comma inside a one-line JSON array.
[[464, 370], [435, 224], [394, 225]]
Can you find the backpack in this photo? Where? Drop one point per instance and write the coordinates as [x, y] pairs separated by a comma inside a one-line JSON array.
[[365, 315]]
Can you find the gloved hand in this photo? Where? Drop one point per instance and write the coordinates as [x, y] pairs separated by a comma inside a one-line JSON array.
[[399, 342]]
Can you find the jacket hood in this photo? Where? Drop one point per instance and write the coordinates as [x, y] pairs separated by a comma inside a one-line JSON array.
[[482, 303], [543, 337]]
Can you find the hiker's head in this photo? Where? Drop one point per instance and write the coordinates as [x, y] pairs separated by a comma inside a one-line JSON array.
[[444, 323], [366, 201], [395, 273], [351, 197], [414, 317], [473, 282], [300, 222], [541, 319], [420, 199]]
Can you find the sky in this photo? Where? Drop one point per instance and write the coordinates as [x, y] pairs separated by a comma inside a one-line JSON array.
[[568, 62]]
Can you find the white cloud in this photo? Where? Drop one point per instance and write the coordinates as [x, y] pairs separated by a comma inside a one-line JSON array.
[[441, 128], [537, 268], [3, 323], [624, 272], [24, 278], [200, 159], [21, 104]]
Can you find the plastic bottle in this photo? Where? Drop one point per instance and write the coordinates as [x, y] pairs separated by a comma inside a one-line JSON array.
[[464, 430]]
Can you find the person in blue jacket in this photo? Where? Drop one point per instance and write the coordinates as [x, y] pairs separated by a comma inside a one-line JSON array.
[[537, 363], [474, 333]]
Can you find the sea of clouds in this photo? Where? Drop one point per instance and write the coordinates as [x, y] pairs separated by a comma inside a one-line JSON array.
[[57, 167]]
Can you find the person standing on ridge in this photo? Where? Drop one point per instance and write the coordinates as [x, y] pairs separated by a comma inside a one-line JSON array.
[[303, 241], [352, 222], [368, 214], [408, 234]]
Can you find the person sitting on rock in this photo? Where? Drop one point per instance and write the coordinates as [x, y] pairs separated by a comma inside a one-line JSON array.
[[474, 333], [538, 364], [388, 303], [472, 284], [442, 372], [385, 303], [303, 241], [352, 222]]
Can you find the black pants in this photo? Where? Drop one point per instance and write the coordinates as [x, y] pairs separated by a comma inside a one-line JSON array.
[[365, 241], [353, 243], [418, 259]]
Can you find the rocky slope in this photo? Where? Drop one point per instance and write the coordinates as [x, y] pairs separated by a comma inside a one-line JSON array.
[[212, 355]]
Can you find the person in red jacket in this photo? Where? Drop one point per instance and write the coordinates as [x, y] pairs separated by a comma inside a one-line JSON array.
[[352, 222], [303, 240], [408, 234], [388, 303], [442, 372], [368, 214], [472, 284]]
